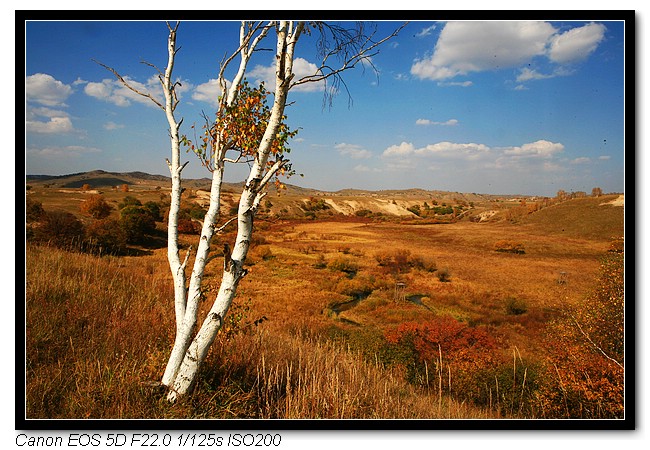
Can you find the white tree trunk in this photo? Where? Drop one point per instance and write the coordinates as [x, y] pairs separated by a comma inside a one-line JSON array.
[[187, 322], [234, 270], [190, 350]]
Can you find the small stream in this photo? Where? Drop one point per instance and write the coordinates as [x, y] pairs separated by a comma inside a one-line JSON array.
[[333, 310]]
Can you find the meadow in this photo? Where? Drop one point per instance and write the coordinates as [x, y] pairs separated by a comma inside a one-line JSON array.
[[344, 316]]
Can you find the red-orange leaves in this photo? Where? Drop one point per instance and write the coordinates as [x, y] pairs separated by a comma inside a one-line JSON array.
[[456, 340], [240, 128]]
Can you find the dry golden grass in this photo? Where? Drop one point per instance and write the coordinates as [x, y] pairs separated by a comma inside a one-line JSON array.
[[99, 329]]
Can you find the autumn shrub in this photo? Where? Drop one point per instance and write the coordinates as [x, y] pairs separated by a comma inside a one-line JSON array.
[[95, 206], [402, 261], [360, 286], [129, 200], [345, 265], [445, 354], [188, 226], [61, 229], [154, 209], [587, 352], [515, 306], [106, 236], [443, 275], [424, 263], [509, 246], [137, 223], [33, 210]]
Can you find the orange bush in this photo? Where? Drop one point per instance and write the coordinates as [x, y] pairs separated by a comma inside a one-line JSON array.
[[96, 206], [586, 353]]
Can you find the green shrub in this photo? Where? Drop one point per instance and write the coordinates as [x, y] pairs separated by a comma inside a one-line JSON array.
[[129, 200], [136, 222]]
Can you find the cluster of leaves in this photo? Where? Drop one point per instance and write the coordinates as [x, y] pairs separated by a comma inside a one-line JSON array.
[[587, 354], [444, 352], [137, 221], [240, 128], [96, 207]]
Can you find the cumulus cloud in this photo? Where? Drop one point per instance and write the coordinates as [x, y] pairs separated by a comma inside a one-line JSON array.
[[47, 121], [541, 148], [70, 151], [541, 154], [467, 47], [208, 92], [403, 149], [115, 92], [56, 125], [449, 123], [453, 150], [301, 68], [353, 151], [46, 90], [576, 44]]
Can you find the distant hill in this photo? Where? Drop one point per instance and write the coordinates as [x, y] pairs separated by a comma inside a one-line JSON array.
[[590, 217], [293, 199]]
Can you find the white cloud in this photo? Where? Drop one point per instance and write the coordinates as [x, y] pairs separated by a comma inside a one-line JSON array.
[[453, 150], [581, 160], [57, 121], [425, 31], [465, 47], [527, 74], [70, 151], [56, 125], [604, 157], [115, 92], [112, 126], [449, 123], [576, 44], [46, 90], [353, 151], [208, 92], [541, 148], [301, 68], [403, 149], [455, 83], [365, 169]]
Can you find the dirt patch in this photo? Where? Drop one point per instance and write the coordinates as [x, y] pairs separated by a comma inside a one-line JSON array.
[[619, 201]]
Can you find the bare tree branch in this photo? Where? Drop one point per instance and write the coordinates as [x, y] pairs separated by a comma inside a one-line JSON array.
[[125, 83], [350, 46]]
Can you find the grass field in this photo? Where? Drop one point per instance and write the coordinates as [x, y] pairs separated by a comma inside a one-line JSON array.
[[440, 321]]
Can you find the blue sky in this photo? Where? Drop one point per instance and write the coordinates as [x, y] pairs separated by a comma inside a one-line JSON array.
[[510, 107]]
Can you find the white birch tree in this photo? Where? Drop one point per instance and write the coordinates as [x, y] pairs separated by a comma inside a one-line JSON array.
[[264, 151]]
